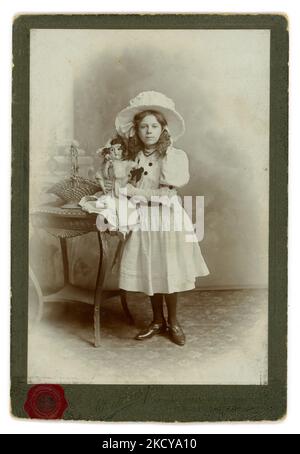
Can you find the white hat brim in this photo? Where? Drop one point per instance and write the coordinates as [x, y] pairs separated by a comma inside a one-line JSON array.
[[174, 119]]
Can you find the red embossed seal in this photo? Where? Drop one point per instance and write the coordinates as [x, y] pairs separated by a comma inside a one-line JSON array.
[[46, 402]]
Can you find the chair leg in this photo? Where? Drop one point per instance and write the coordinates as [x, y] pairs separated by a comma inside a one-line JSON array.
[[125, 307], [97, 321]]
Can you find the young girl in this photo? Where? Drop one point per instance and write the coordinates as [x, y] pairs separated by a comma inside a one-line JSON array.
[[159, 262]]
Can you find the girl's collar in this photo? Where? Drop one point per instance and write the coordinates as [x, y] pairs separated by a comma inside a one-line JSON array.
[[148, 154], [167, 151], [153, 154]]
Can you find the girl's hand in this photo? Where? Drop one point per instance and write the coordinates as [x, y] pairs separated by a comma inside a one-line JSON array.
[[123, 190], [129, 190], [133, 191], [172, 192]]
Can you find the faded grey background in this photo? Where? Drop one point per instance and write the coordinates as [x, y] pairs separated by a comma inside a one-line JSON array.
[[219, 80]]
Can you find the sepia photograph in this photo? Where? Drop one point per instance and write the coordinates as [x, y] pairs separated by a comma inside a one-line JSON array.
[[149, 201]]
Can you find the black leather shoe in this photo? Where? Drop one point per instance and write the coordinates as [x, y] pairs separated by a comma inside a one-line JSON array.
[[151, 330], [176, 334]]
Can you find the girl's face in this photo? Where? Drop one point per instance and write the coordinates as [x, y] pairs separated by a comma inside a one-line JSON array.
[[149, 130]]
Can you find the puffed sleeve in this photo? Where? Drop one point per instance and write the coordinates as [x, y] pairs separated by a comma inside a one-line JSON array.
[[175, 168]]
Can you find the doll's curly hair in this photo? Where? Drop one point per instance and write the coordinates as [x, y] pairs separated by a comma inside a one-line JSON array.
[[115, 141], [135, 144]]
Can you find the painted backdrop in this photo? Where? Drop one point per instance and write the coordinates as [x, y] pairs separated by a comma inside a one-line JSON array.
[[219, 80]]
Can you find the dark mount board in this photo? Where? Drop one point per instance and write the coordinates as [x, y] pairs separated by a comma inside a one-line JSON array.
[[166, 403]]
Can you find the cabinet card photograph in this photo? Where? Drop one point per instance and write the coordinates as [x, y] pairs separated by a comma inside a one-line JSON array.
[[149, 180]]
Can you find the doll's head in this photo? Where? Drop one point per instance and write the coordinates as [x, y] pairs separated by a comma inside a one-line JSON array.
[[116, 150]]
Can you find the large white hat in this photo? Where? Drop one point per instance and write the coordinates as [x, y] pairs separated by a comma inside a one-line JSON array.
[[150, 100]]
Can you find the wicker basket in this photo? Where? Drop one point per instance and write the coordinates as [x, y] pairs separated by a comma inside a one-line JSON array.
[[71, 190]]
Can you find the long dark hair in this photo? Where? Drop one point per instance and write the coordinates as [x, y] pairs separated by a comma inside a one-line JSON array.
[[135, 144]]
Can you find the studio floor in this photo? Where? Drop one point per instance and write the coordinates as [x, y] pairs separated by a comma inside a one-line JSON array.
[[226, 334]]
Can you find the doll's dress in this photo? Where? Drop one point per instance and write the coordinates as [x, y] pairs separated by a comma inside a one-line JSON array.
[[118, 213], [164, 259]]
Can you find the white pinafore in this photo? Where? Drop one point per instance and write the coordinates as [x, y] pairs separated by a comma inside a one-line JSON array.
[[162, 261]]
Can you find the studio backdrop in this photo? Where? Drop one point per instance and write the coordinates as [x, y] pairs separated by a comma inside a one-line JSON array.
[[219, 80]]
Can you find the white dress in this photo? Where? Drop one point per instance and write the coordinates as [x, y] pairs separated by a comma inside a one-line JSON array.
[[162, 261]]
